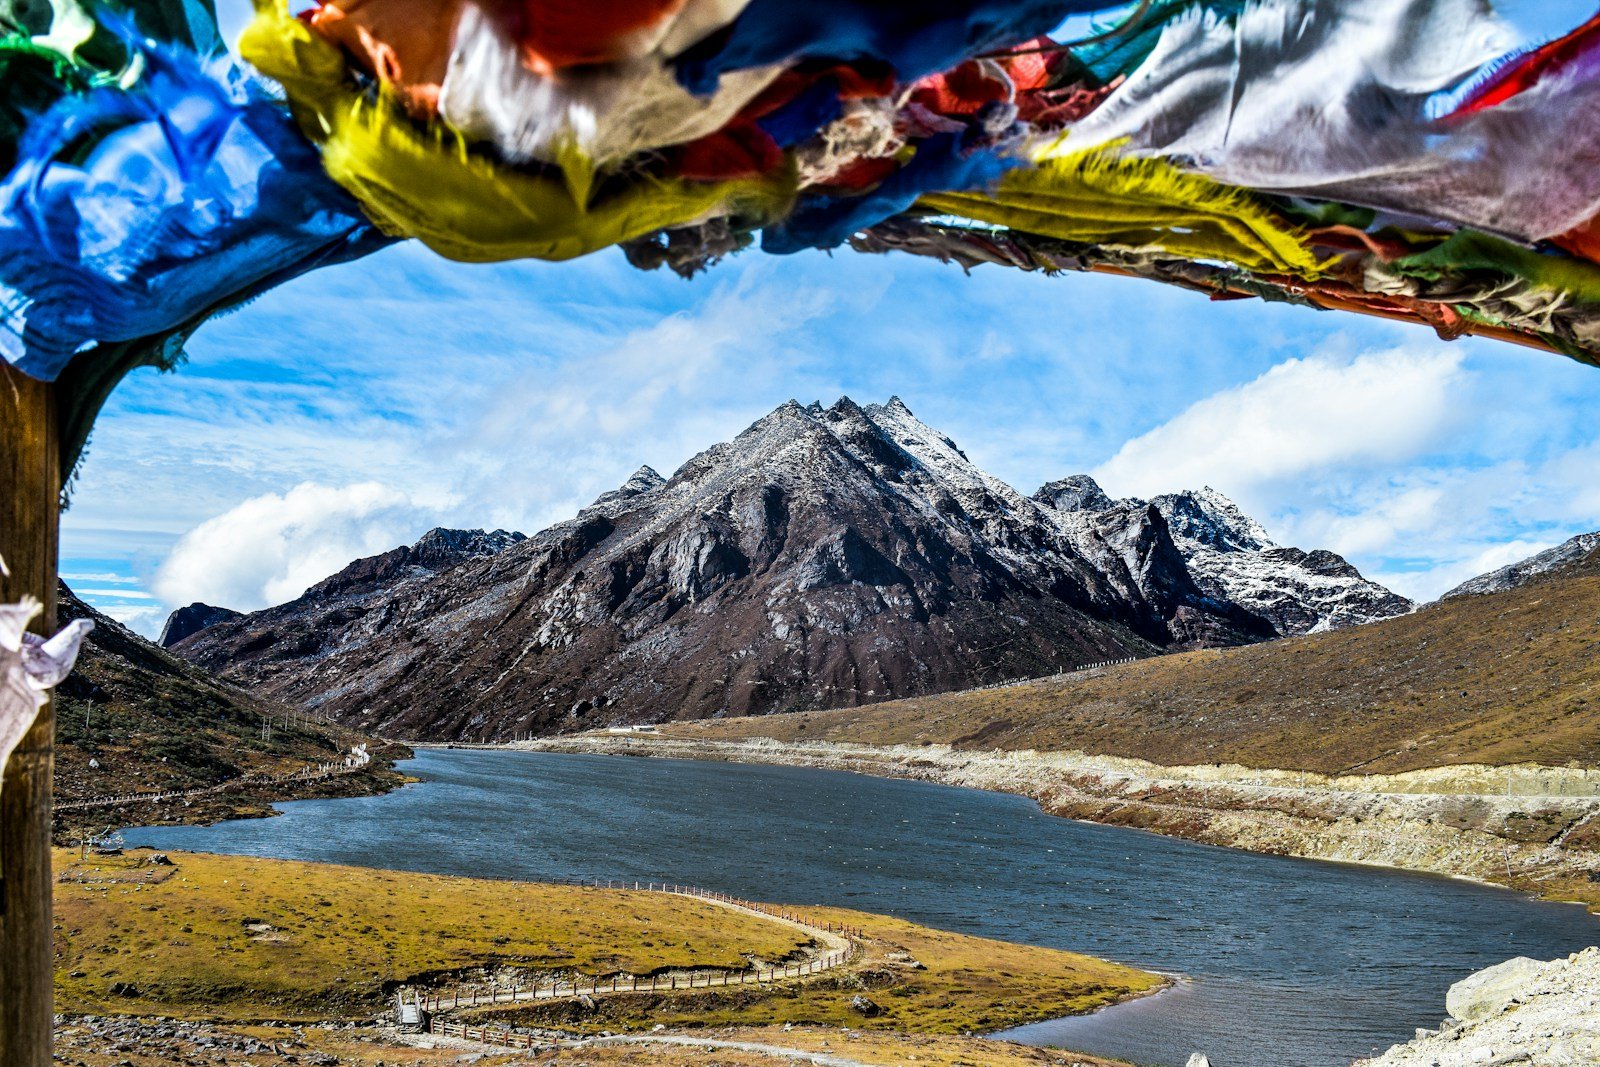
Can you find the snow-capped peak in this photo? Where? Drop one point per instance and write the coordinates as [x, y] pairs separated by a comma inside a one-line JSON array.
[[1077, 492], [1207, 517]]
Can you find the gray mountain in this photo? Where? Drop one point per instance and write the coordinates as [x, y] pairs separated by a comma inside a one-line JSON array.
[[823, 558], [1232, 559], [1560, 558]]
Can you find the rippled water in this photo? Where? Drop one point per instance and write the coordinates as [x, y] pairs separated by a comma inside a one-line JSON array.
[[1289, 963]]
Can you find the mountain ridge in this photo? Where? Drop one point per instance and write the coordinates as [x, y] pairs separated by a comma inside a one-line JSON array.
[[1499, 679], [822, 557], [1572, 552]]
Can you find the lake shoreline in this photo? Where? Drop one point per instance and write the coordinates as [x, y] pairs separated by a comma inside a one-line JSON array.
[[237, 799], [1258, 934], [1442, 822]]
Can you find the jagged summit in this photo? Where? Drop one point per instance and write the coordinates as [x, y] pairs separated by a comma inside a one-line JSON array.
[[824, 556], [1231, 557], [443, 545], [642, 481], [1208, 518], [1077, 492], [191, 619]]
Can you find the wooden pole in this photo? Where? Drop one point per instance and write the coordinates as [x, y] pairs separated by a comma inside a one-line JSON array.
[[30, 490]]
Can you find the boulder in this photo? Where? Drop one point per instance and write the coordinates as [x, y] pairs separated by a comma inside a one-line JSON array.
[[1489, 991], [1199, 1059]]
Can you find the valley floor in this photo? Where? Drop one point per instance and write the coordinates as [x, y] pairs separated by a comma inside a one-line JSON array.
[[1531, 828], [197, 959]]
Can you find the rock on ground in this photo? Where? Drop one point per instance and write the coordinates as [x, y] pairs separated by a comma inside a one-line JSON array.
[[1520, 1012]]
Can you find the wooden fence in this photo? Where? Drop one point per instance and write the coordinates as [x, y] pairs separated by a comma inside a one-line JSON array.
[[487, 1035], [1010, 682], [489, 993]]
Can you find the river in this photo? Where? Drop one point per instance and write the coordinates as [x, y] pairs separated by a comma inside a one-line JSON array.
[[1287, 963]]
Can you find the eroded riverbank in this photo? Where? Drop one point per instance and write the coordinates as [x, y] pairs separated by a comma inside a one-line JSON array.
[[1527, 827]]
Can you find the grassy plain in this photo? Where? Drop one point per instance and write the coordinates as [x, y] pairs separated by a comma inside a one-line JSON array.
[[226, 937], [918, 980], [243, 939]]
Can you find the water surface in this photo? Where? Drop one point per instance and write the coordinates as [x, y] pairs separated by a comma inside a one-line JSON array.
[[1291, 963]]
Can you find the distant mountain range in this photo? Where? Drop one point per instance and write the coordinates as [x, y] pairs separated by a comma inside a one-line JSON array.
[[825, 557]]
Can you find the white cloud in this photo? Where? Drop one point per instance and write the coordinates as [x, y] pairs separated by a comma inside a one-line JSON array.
[[1302, 417], [1385, 514], [1421, 472], [143, 620], [270, 548]]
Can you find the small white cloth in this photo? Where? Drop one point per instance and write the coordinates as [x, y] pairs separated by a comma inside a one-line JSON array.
[[29, 667]]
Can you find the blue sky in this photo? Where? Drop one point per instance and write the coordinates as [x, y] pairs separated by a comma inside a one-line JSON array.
[[351, 410]]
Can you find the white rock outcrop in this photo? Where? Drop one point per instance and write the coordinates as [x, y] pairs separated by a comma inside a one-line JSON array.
[[1521, 1012], [1491, 990]]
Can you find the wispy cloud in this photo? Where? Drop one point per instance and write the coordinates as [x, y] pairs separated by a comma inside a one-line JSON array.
[[271, 548], [1298, 421]]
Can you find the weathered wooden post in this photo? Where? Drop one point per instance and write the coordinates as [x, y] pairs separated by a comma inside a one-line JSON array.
[[30, 491]]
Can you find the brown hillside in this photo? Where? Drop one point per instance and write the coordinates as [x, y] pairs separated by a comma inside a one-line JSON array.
[[134, 718], [1500, 678]]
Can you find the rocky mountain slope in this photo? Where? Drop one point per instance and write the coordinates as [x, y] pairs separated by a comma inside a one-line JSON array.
[[1556, 559], [823, 558], [134, 718], [1497, 679], [1232, 559]]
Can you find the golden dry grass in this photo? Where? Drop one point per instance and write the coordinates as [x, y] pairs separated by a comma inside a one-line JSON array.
[[237, 938], [964, 985], [229, 937], [1502, 678]]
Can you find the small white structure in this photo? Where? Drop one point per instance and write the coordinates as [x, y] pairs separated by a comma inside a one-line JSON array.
[[408, 1013]]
